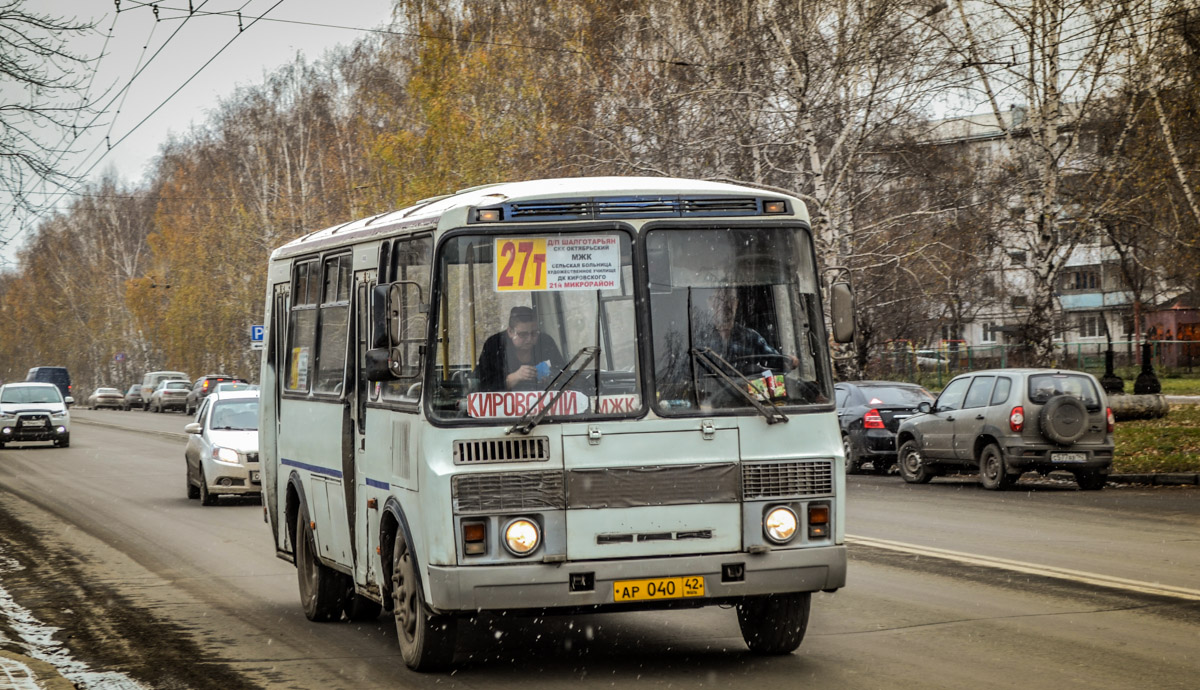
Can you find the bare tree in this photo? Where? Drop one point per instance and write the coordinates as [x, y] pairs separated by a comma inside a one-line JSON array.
[[1053, 62], [44, 97]]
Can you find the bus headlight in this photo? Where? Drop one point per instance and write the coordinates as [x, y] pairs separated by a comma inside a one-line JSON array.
[[521, 537], [780, 525]]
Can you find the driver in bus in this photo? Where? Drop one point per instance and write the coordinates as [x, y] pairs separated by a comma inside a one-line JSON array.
[[519, 358], [738, 344]]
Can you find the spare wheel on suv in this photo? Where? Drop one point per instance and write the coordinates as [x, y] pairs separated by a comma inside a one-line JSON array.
[[1063, 419]]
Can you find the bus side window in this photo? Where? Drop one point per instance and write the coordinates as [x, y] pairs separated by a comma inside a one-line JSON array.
[[334, 312], [411, 261], [302, 326]]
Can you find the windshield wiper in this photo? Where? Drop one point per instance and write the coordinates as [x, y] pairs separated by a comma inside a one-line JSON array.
[[571, 371], [709, 359]]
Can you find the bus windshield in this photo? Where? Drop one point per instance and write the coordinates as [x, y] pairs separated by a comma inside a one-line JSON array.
[[736, 320], [521, 318]]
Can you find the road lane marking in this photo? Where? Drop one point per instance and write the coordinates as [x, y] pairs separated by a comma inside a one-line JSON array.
[[1031, 568]]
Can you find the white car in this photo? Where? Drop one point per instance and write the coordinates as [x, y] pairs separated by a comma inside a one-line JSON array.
[[222, 449], [34, 412]]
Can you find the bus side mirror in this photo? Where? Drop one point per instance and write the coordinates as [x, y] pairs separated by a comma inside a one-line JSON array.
[[841, 312], [384, 364], [385, 315]]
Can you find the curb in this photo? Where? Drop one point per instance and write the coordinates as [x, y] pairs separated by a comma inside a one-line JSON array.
[[26, 672], [1165, 479]]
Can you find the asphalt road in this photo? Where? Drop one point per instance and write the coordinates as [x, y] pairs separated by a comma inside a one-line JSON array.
[[949, 587]]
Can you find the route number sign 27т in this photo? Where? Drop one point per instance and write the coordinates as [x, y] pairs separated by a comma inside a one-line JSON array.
[[558, 263]]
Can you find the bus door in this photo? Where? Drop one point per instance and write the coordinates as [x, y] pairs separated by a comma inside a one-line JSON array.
[[366, 520], [385, 413]]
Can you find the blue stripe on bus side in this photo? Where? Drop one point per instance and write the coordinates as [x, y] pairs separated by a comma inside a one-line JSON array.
[[311, 468], [378, 484]]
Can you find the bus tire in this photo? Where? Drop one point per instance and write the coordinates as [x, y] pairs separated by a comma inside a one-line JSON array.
[[774, 624], [322, 589], [426, 640]]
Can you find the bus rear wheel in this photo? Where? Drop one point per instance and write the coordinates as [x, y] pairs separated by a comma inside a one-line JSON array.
[[322, 589], [774, 624], [426, 640]]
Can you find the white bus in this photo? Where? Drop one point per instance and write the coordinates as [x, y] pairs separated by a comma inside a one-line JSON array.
[[589, 394]]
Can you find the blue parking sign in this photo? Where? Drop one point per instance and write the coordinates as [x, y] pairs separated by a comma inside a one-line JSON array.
[[256, 334]]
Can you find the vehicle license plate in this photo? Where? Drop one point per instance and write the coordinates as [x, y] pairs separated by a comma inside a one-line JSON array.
[[1068, 457], [34, 422], [658, 588], [254, 476]]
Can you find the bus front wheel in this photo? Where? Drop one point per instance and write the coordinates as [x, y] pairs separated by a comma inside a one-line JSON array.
[[426, 640], [322, 589], [774, 624]]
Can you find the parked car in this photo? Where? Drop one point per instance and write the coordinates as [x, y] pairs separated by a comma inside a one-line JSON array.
[[170, 395], [1002, 423], [106, 397], [151, 380], [34, 411], [133, 397], [869, 413], [59, 376], [204, 386], [221, 457]]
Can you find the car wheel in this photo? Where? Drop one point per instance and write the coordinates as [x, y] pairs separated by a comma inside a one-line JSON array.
[[1091, 481], [774, 624], [913, 466], [206, 498], [426, 640], [993, 471], [852, 462], [323, 590], [1063, 419], [63, 441], [193, 491]]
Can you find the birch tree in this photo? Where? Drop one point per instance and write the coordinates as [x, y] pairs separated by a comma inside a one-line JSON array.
[[1043, 68]]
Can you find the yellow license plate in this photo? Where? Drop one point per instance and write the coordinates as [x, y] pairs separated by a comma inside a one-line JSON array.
[[658, 588]]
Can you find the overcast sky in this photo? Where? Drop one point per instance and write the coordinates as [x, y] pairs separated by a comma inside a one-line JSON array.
[[133, 36]]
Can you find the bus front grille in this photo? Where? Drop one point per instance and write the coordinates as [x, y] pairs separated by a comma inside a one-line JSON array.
[[787, 478], [480, 451], [499, 492], [657, 485]]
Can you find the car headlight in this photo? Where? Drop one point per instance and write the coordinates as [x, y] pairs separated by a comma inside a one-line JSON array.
[[227, 455], [521, 537], [59, 415], [780, 525]]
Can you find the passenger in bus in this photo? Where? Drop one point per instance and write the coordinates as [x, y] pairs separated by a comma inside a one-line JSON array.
[[739, 345], [519, 358]]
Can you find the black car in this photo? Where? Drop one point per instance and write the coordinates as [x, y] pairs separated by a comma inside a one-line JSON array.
[[59, 376], [869, 413]]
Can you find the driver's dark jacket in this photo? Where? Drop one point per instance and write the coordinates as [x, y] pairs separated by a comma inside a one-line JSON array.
[[743, 344], [498, 359]]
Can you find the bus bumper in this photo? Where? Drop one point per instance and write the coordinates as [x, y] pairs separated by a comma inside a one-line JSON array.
[[550, 585]]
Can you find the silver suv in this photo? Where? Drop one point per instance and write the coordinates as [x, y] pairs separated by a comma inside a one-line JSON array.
[[1005, 422]]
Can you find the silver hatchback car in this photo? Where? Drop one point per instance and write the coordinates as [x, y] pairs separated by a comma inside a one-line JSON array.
[[222, 449], [1005, 422]]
